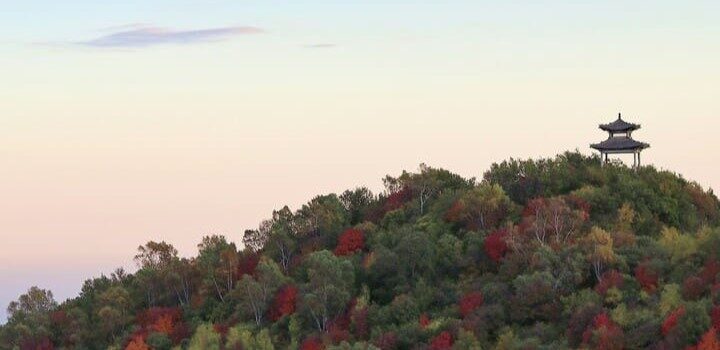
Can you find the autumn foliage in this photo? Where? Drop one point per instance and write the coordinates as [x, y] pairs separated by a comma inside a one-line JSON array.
[[495, 245], [540, 254], [424, 321], [671, 320], [247, 265], [396, 199], [647, 278], [312, 344], [709, 341], [137, 343], [470, 302], [610, 279], [284, 302], [443, 341], [603, 334], [715, 316], [349, 242]]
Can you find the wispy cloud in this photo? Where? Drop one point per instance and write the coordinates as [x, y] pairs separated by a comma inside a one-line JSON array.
[[125, 27], [321, 46], [143, 36]]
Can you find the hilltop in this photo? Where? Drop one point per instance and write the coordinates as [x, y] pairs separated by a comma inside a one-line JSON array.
[[554, 253]]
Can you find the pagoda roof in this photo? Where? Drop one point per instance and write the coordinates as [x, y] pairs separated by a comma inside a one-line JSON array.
[[619, 143], [619, 125]]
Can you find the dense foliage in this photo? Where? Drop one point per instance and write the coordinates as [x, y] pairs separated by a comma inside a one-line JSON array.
[[541, 254]]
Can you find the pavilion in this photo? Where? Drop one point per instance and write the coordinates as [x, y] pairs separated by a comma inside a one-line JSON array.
[[620, 141]]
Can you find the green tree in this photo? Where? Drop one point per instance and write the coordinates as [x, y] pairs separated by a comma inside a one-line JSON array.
[[600, 253], [255, 293], [219, 260], [114, 311], [328, 288], [205, 338]]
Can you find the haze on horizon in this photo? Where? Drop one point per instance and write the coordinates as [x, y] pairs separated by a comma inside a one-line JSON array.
[[127, 122]]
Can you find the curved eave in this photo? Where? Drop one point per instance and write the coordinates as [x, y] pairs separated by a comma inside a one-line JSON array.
[[612, 128], [603, 148]]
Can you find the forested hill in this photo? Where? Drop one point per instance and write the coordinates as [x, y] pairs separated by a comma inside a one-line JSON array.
[[547, 254]]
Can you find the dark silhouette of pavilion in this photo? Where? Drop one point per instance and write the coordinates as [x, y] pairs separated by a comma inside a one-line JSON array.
[[620, 141]]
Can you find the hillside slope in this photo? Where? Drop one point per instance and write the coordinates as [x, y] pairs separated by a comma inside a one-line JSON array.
[[539, 254]]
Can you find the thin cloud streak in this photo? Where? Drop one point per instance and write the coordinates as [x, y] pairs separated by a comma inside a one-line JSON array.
[[151, 36], [321, 46]]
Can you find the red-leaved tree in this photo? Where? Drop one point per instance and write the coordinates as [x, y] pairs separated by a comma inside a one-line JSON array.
[[470, 302], [647, 278], [603, 334], [495, 245], [349, 242], [442, 341], [671, 320], [710, 271], [247, 265], [284, 302], [424, 321], [709, 341], [312, 344], [609, 279], [715, 316]]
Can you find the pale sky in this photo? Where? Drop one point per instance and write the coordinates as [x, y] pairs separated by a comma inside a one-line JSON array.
[[123, 122]]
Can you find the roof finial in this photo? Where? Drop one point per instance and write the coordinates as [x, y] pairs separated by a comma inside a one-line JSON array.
[[619, 115]]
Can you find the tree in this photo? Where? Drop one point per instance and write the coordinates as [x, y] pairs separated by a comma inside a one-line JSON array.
[[610, 279], [426, 184], [470, 302], [240, 337], [284, 303], [604, 334], [137, 343], [552, 220], [415, 253], [219, 260], [29, 321], [534, 298], [599, 245], [484, 207], [350, 241], [205, 338], [183, 278], [328, 287], [692, 323], [254, 293], [709, 341], [672, 320], [323, 216], [312, 343], [357, 203], [36, 302], [442, 341], [647, 278], [163, 275], [276, 236], [155, 255], [495, 245], [679, 246], [114, 311]]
